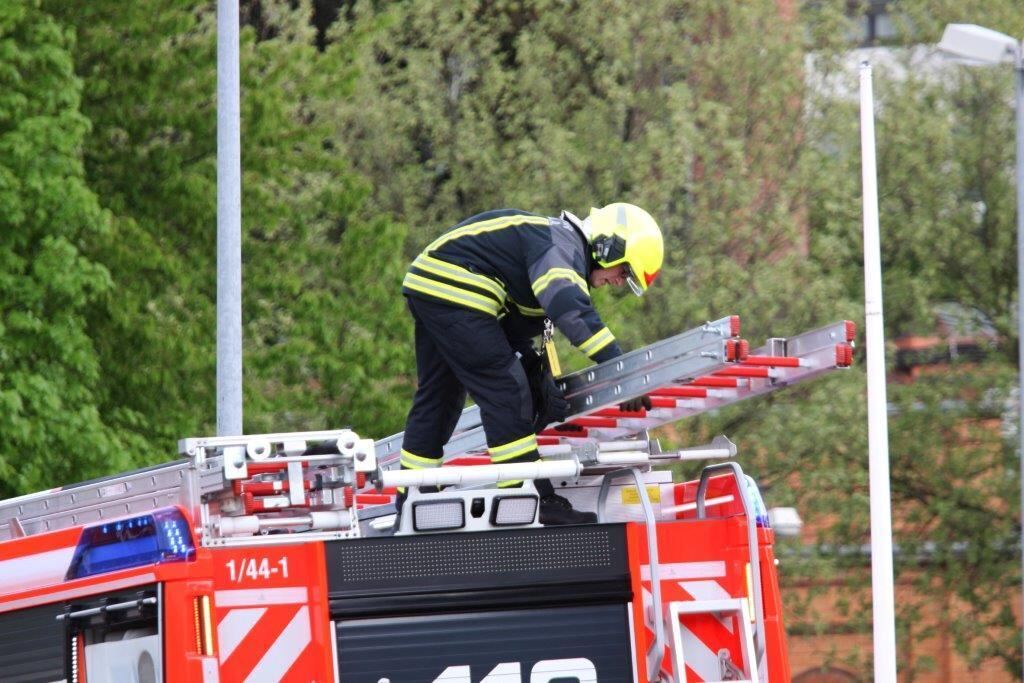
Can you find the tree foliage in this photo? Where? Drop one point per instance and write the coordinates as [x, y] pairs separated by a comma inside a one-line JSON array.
[[50, 371], [461, 107], [945, 178], [315, 278]]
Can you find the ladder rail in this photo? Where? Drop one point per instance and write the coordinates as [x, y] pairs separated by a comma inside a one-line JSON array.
[[134, 492]]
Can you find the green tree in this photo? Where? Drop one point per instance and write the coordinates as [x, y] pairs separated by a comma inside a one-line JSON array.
[[461, 107], [945, 188], [50, 376], [313, 274]]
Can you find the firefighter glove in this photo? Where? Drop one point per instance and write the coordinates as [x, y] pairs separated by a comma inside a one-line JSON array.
[[552, 406]]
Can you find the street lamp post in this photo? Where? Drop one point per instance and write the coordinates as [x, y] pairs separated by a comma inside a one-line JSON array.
[[983, 46], [229, 224]]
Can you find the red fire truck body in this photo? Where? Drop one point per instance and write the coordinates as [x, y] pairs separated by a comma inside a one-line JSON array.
[[574, 599]]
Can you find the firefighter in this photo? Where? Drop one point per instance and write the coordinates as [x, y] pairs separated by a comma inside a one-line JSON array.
[[481, 292]]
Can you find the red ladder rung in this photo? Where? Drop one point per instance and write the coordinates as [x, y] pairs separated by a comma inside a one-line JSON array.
[[720, 382], [742, 371], [464, 460], [579, 434], [599, 422], [657, 402], [682, 392], [774, 361], [616, 412]]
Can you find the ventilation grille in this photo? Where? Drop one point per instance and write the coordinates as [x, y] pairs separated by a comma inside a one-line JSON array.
[[576, 551]]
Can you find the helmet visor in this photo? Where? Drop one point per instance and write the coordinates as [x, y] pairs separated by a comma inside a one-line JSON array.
[[632, 280]]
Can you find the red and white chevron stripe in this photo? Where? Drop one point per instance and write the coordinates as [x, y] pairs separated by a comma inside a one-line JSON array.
[[264, 634], [703, 635]]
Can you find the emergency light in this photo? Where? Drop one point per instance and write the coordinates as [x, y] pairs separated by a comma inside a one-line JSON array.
[[159, 537], [438, 515], [514, 510]]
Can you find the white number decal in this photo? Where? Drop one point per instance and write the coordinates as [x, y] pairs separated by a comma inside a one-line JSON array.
[[253, 569], [580, 668]]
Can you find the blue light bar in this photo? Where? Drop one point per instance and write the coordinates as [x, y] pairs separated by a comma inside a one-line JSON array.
[[760, 511], [156, 538]]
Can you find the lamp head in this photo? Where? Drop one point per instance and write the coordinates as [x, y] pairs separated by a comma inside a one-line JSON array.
[[980, 44]]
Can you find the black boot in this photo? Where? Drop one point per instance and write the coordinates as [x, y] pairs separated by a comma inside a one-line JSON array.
[[557, 511]]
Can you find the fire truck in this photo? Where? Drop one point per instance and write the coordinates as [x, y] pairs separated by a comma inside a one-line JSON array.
[[279, 557]]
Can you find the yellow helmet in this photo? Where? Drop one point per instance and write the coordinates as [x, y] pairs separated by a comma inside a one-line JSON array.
[[624, 233]]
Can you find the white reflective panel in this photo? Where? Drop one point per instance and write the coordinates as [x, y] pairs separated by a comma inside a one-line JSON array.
[[443, 514], [515, 510]]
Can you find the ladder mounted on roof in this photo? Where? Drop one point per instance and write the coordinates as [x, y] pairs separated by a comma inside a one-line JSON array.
[[702, 369], [246, 487]]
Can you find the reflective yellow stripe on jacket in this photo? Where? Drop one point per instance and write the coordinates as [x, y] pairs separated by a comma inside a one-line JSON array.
[[455, 284], [541, 283], [486, 226], [527, 311], [459, 274], [598, 341]]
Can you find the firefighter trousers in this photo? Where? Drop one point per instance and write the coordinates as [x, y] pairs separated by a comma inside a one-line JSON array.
[[460, 350]]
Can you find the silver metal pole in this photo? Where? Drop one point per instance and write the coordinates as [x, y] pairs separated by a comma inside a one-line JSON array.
[[1019, 79], [883, 606], [229, 224]]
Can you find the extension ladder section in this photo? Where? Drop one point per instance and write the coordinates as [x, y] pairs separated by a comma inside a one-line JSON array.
[[780, 362], [702, 369]]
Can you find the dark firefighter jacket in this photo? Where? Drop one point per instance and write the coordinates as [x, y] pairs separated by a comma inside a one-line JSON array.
[[518, 267]]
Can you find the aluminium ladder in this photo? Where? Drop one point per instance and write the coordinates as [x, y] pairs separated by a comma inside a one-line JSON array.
[[699, 370]]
